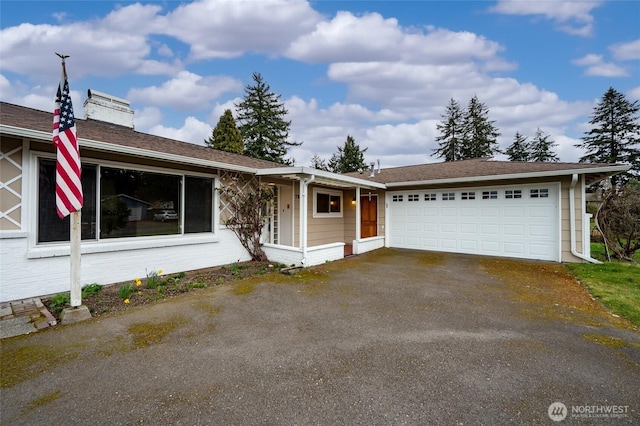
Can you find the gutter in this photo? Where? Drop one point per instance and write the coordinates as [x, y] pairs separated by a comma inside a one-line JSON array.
[[572, 222]]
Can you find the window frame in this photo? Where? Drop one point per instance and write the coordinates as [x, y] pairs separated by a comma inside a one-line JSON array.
[[99, 245], [330, 193]]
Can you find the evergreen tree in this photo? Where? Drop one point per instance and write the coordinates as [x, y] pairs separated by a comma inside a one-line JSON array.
[[451, 133], [318, 163], [480, 135], [226, 136], [616, 135], [541, 148], [349, 158], [519, 149], [262, 123]]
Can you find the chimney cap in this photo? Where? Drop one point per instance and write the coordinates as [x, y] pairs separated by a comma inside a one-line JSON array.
[[94, 94]]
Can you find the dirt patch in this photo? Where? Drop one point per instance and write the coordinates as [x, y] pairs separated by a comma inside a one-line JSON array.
[[121, 296]]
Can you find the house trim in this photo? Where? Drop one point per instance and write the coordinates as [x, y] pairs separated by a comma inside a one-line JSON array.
[[529, 175]]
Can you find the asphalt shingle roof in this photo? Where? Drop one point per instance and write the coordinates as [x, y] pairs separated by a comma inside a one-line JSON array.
[[475, 168], [32, 119]]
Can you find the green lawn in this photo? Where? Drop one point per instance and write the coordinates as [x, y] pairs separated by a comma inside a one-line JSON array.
[[615, 284]]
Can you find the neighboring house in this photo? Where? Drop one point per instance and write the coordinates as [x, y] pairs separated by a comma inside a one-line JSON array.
[[523, 210]]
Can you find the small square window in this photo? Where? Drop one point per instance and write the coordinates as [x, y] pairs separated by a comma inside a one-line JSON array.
[[539, 193], [397, 198], [429, 197], [489, 195], [448, 196], [468, 196], [413, 197], [512, 193], [327, 203]]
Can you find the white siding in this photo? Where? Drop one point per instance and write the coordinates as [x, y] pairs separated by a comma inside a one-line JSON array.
[[22, 277]]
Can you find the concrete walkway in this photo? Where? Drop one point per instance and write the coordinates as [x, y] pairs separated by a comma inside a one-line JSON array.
[[392, 337], [24, 317]]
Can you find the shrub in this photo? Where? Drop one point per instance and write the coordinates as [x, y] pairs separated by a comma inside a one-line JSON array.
[[619, 221]]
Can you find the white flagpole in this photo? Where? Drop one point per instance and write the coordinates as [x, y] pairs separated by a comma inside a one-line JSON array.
[[75, 240]]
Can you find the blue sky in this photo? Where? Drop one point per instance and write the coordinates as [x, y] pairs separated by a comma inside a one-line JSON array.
[[380, 71]]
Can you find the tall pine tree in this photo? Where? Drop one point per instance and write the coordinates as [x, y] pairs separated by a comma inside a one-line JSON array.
[[519, 149], [349, 158], [480, 134], [451, 133], [263, 127], [541, 148], [226, 136], [615, 137]]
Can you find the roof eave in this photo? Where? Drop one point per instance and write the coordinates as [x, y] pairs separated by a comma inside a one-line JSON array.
[[610, 170], [301, 171]]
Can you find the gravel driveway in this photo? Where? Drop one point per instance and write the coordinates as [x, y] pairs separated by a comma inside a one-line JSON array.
[[390, 337]]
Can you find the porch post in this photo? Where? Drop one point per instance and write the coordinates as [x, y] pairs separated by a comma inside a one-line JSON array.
[[358, 219], [304, 187], [303, 214]]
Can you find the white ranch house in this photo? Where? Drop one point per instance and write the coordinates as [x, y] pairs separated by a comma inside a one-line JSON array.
[[521, 210]]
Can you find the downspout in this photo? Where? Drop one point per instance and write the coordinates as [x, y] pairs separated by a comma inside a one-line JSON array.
[[572, 220], [304, 184]]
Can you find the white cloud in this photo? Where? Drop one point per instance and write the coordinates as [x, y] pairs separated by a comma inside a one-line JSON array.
[[626, 51], [165, 50], [573, 17], [187, 91], [348, 39], [92, 51], [193, 130], [634, 94], [227, 29], [596, 66], [147, 118]]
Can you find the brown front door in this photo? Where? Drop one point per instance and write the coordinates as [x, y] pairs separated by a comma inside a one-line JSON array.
[[368, 216]]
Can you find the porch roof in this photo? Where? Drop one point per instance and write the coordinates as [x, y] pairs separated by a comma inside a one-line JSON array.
[[320, 177]]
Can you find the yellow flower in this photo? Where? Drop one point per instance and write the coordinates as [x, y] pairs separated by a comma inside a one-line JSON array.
[[138, 282], [126, 301], [159, 271]]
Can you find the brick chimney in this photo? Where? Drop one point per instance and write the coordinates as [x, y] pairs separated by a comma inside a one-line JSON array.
[[103, 107]]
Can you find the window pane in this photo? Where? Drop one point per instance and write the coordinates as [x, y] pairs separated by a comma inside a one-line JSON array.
[[50, 227], [198, 208], [334, 203], [322, 203], [135, 203]]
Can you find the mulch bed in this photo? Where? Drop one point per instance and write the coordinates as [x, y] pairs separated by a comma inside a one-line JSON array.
[[111, 298]]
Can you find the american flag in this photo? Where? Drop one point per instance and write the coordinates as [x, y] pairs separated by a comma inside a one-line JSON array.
[[68, 186]]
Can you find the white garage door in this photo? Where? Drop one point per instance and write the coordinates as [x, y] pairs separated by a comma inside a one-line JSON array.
[[511, 221]]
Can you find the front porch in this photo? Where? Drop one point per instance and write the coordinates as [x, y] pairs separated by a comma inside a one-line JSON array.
[[320, 216]]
